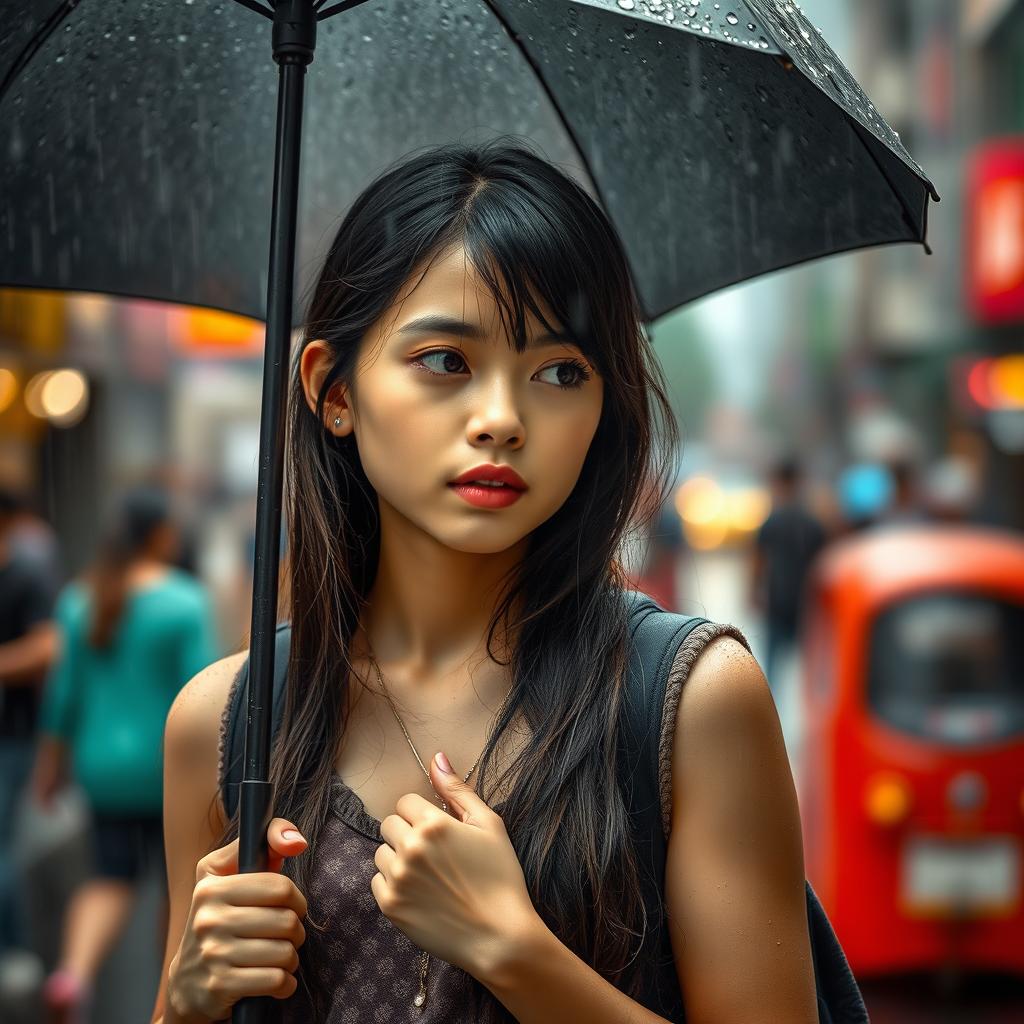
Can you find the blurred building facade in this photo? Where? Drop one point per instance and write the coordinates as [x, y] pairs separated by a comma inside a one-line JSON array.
[[890, 353]]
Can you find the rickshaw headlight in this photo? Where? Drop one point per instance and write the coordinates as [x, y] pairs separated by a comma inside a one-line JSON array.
[[887, 798]]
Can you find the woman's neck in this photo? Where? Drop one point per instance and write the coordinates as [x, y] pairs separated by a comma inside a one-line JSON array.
[[430, 607]]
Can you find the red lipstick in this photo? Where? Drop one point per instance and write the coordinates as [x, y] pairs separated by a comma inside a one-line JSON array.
[[489, 486]]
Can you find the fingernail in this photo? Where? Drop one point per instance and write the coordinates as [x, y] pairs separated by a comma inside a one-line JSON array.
[[443, 762], [291, 833]]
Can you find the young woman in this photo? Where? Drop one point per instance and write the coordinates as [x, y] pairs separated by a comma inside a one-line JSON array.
[[133, 630], [475, 321]]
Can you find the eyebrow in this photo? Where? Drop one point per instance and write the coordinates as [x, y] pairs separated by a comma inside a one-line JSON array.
[[439, 324]]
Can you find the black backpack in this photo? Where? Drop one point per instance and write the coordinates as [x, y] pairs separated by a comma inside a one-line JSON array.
[[656, 636]]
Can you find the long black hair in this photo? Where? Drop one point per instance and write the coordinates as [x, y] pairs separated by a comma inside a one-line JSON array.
[[532, 233]]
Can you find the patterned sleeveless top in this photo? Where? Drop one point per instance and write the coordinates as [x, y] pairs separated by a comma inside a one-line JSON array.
[[366, 967]]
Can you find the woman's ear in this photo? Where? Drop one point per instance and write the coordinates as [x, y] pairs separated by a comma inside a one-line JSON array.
[[314, 366]]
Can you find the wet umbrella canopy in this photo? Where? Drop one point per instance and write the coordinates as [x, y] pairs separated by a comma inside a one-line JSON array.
[[724, 139]]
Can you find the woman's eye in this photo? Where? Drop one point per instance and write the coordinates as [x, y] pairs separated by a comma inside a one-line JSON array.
[[447, 360], [571, 373]]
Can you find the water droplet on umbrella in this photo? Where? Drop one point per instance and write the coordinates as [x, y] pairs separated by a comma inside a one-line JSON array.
[[627, 5], [731, 18]]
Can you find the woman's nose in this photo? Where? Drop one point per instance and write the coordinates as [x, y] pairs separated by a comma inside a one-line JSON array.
[[497, 419]]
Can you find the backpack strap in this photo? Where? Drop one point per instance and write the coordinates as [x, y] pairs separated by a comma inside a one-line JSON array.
[[237, 713], [656, 636]]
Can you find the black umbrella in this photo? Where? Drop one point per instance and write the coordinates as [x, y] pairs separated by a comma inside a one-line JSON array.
[[136, 134], [724, 140]]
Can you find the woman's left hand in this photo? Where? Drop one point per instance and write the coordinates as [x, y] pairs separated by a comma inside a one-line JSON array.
[[452, 881]]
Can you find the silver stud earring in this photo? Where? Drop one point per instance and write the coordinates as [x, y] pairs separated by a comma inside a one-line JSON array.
[[337, 421]]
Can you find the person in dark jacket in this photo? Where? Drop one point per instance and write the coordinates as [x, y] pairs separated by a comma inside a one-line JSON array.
[[787, 543]]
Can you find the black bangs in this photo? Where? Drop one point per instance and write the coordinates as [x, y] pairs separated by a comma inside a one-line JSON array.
[[518, 245]]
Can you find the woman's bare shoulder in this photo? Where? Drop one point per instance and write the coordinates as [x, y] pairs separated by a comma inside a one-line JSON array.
[[194, 721]]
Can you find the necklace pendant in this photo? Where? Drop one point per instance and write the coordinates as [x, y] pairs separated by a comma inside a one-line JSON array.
[[421, 997]]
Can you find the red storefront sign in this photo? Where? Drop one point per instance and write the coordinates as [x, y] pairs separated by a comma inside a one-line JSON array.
[[995, 232]]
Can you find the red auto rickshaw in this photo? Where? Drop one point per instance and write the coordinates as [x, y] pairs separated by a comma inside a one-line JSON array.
[[912, 767]]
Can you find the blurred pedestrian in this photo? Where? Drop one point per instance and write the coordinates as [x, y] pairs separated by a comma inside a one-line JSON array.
[[787, 543], [905, 505], [133, 630], [951, 490], [33, 539], [28, 646]]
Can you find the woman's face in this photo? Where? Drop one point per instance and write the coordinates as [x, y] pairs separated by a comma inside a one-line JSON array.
[[433, 400]]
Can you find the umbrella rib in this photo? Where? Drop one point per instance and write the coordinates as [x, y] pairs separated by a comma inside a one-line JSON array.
[[346, 5], [558, 110], [59, 13], [908, 215], [252, 5]]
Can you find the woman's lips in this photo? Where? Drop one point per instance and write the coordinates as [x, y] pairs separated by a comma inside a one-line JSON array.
[[483, 496]]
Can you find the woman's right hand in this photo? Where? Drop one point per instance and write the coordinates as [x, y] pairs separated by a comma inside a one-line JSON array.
[[242, 935]]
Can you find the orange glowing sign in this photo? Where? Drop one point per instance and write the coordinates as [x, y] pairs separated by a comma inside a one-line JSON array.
[[199, 332]]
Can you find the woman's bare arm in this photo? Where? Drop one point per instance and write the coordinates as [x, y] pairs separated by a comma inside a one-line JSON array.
[[193, 815], [734, 872]]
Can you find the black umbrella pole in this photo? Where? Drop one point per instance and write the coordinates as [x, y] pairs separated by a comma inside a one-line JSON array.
[[294, 40]]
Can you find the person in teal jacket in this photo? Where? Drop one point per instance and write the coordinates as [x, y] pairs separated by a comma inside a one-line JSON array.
[[133, 631]]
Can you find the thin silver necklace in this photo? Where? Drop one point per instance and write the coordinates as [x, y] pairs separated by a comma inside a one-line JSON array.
[[424, 961]]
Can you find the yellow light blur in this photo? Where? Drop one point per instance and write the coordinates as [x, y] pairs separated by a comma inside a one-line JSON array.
[[1006, 379], [34, 394], [8, 388], [749, 508], [706, 536], [64, 396], [700, 500], [887, 799]]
